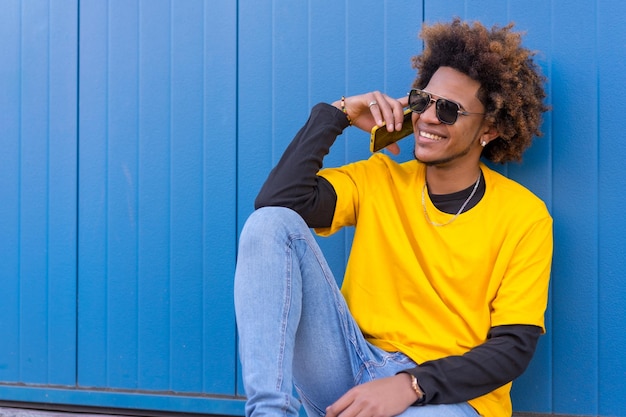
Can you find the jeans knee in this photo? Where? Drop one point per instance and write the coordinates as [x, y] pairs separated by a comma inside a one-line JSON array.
[[271, 221]]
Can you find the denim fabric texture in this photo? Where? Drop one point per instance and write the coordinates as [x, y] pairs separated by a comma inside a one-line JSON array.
[[295, 329]]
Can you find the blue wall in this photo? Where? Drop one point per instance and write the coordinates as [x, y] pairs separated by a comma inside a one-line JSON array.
[[135, 135]]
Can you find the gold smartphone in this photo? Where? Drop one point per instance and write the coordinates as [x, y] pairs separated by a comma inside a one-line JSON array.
[[380, 137]]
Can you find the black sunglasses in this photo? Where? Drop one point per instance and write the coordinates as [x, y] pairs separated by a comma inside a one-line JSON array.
[[447, 111]]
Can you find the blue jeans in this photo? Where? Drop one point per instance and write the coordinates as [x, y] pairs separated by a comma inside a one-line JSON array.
[[295, 329]]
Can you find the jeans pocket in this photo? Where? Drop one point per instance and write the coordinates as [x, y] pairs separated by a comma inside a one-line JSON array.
[[383, 364]]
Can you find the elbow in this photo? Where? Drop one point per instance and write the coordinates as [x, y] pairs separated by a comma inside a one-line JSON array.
[[260, 201]]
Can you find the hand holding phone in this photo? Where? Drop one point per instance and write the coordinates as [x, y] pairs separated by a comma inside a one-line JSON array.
[[381, 138]]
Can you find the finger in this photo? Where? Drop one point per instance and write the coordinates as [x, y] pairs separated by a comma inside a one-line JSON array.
[[398, 114], [388, 108], [404, 101], [395, 117], [376, 106], [385, 110], [350, 410], [339, 406]]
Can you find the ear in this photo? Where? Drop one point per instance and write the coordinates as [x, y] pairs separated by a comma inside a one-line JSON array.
[[489, 133]]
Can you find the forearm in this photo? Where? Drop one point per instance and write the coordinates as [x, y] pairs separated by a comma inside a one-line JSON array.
[[294, 182], [501, 359]]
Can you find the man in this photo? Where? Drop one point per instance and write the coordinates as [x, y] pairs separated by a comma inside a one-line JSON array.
[[446, 286]]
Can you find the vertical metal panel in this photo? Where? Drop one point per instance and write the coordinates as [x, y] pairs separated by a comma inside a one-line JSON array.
[[92, 204], [121, 244], [154, 182], [220, 202], [435, 11], [107, 198], [575, 190], [62, 185], [611, 53], [157, 196], [34, 146], [38, 170], [10, 114], [187, 177]]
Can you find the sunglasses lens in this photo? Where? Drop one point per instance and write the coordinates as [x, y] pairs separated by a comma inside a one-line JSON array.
[[418, 101], [447, 111]]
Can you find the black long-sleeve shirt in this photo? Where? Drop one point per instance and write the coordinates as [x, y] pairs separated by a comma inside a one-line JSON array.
[[294, 183]]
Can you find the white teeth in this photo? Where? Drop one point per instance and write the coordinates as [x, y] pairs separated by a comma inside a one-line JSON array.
[[430, 136]]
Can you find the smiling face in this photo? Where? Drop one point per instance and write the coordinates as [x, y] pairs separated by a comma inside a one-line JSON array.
[[438, 144]]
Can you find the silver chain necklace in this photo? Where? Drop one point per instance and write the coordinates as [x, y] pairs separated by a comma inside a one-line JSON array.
[[457, 213]]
